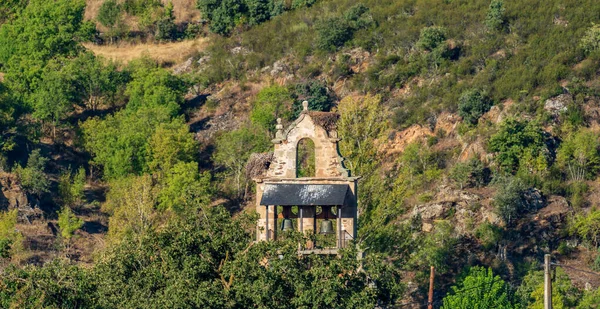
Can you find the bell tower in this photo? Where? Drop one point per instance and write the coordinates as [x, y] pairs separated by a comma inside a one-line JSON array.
[[322, 200]]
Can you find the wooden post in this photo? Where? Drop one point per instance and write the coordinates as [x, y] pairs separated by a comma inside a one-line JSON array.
[[430, 298], [547, 283]]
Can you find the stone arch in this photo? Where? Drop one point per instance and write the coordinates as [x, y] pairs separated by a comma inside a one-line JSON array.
[[306, 158]]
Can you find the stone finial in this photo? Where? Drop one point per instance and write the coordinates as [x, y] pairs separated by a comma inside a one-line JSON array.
[[279, 128], [305, 105]]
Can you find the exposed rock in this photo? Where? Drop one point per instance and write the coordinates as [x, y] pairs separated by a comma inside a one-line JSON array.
[[279, 67], [558, 104], [184, 67], [240, 50], [447, 202], [534, 198], [14, 197]]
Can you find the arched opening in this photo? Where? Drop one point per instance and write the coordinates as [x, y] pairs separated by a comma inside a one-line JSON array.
[[305, 158]]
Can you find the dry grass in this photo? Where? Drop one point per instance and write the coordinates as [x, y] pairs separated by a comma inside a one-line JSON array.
[[184, 10], [166, 53]]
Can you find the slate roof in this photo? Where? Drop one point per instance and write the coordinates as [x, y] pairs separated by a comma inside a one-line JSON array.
[[304, 194]]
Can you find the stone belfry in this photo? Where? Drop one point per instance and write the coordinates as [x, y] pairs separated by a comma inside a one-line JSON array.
[[322, 202]]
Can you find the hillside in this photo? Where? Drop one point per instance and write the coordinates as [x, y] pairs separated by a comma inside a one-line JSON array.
[[129, 131]]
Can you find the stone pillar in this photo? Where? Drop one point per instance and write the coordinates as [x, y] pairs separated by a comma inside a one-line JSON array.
[[306, 224]]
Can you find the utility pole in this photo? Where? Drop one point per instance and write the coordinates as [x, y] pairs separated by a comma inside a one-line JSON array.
[[547, 283], [430, 299]]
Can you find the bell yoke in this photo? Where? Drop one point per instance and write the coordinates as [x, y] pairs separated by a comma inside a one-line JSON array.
[[286, 202]]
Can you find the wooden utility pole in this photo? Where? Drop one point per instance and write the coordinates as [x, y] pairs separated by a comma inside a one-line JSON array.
[[547, 283], [430, 298]]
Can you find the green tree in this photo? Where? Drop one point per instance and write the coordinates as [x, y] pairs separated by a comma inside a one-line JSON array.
[[509, 200], [531, 292], [153, 86], [587, 226], [96, 80], [578, 155], [120, 143], [271, 103], [131, 203], [53, 100], [68, 223], [472, 104], [170, 144], [517, 141], [11, 240], [317, 95], [71, 187], [44, 30], [479, 289], [495, 18], [183, 188], [232, 150], [32, 177], [332, 33], [56, 284], [109, 13]]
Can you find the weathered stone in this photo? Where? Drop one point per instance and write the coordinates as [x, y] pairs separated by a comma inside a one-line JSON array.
[[558, 104]]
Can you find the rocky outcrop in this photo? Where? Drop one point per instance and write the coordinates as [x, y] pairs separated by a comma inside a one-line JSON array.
[[558, 104], [465, 209], [14, 197]]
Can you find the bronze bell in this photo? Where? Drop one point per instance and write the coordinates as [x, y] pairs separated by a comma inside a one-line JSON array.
[[287, 225], [326, 227]]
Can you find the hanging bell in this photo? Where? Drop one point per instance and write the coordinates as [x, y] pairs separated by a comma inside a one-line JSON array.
[[287, 225], [326, 227]]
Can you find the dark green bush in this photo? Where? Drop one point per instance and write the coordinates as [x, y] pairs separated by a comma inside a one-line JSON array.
[[431, 37], [472, 104]]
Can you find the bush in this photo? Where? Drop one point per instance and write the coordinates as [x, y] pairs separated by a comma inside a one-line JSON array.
[[495, 18], [469, 174], [271, 103], [472, 104], [317, 95], [590, 42], [109, 13], [519, 144], [333, 33], [32, 176], [68, 223], [431, 37], [509, 200], [578, 156], [488, 234]]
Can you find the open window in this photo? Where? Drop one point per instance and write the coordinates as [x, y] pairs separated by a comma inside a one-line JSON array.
[[305, 158]]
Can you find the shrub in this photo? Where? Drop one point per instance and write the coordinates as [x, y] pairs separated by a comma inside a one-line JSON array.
[[590, 42], [469, 174], [509, 200], [32, 176], [70, 187], [109, 13], [587, 226], [495, 19], [472, 104], [68, 223], [333, 33], [578, 155], [488, 234], [519, 143], [431, 37], [317, 95], [271, 103], [10, 238]]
